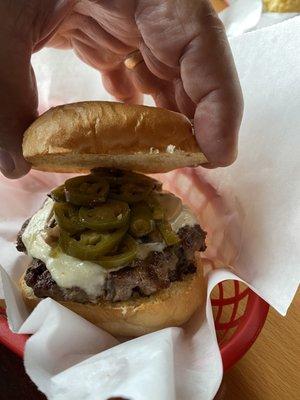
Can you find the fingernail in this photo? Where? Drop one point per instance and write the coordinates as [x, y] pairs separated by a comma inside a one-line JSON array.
[[7, 164], [208, 165]]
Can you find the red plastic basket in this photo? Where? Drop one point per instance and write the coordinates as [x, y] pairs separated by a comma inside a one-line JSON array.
[[239, 316], [238, 312]]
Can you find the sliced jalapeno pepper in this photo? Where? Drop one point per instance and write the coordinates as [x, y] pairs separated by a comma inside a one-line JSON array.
[[58, 194], [119, 176], [170, 237], [90, 245], [120, 173], [109, 172], [141, 222], [157, 210], [66, 216], [86, 190], [126, 253], [142, 179], [111, 215], [131, 192]]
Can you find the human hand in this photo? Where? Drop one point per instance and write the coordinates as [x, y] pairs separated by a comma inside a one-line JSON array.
[[187, 64]]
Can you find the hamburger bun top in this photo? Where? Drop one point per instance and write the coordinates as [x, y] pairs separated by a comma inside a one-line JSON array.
[[80, 136]]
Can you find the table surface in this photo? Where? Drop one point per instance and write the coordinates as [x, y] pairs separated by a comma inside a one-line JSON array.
[[269, 371], [271, 368]]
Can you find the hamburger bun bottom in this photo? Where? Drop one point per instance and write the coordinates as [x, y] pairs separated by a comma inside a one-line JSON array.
[[135, 317]]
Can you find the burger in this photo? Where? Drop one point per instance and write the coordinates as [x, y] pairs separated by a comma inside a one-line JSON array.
[[110, 244]]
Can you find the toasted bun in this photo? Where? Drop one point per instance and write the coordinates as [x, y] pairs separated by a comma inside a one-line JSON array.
[[168, 307], [81, 136]]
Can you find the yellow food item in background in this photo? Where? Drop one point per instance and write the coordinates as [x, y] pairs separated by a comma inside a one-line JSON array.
[[219, 5], [282, 5]]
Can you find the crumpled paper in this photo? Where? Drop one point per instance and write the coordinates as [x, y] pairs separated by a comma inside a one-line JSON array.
[[250, 210], [247, 15]]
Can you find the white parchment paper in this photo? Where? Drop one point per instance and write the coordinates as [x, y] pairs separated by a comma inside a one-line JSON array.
[[247, 15], [251, 211]]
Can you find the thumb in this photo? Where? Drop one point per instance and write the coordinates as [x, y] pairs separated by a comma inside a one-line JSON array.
[[18, 104], [13, 165], [24, 26]]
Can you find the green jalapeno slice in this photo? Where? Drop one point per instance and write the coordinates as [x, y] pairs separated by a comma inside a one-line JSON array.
[[86, 190], [66, 215], [126, 253], [58, 194], [119, 176], [141, 222], [155, 206], [131, 192], [170, 237], [90, 245], [109, 172], [142, 179], [111, 215]]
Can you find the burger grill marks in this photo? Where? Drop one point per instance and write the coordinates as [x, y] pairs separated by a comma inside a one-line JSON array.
[[142, 277]]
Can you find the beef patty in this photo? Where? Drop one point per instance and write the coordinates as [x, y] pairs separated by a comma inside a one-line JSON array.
[[140, 278], [19, 244]]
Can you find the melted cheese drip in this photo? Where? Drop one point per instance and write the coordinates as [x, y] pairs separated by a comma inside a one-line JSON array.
[[67, 271], [185, 217], [146, 248]]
